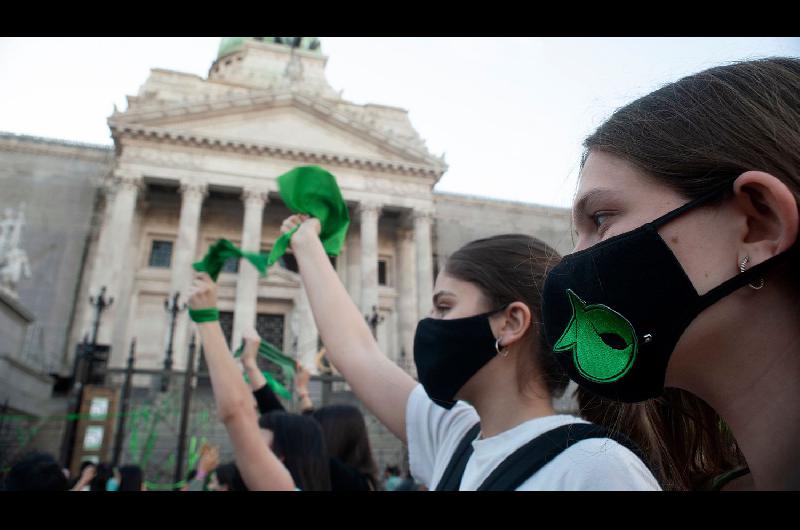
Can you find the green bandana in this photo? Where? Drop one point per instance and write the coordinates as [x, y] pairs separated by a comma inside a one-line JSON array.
[[284, 363], [312, 190], [209, 314], [223, 249]]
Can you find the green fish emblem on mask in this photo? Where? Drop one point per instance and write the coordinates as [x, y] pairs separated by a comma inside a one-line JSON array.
[[603, 342]]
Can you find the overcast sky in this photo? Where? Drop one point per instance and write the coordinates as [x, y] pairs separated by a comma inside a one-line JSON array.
[[510, 113]]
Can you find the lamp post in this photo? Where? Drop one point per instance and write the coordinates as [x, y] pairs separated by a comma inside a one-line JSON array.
[[187, 401], [84, 364], [173, 309], [123, 413]]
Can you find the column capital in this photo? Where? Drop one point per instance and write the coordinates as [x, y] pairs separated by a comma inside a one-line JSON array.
[[255, 196], [122, 180], [369, 207], [190, 188], [422, 215], [405, 234]]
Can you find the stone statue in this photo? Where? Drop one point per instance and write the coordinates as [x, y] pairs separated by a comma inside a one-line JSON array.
[[14, 263], [6, 227]]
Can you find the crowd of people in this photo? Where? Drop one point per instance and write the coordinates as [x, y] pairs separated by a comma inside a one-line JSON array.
[[676, 315]]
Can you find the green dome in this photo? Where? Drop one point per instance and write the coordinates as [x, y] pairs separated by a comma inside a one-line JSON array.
[[231, 44]]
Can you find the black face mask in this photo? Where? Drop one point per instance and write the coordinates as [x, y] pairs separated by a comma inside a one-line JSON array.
[[449, 352], [614, 312]]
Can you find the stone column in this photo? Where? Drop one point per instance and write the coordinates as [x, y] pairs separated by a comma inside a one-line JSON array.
[[247, 279], [422, 239], [305, 331], [354, 266], [369, 256], [183, 256], [112, 252], [407, 296]]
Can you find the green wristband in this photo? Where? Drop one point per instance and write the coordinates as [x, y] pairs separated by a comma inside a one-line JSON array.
[[209, 314]]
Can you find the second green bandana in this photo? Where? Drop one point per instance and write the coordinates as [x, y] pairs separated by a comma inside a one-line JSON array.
[[312, 190], [284, 364], [221, 251]]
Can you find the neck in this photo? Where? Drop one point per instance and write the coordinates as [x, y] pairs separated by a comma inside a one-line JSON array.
[[752, 380], [501, 406]]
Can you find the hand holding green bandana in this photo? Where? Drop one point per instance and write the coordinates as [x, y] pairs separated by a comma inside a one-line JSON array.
[[313, 191], [284, 363]]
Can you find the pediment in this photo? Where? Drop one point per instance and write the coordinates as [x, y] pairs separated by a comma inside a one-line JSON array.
[[288, 122]]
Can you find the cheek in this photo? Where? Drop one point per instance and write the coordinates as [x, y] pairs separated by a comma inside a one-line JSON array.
[[706, 251]]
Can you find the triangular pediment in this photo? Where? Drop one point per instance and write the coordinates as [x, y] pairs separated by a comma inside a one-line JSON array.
[[289, 121]]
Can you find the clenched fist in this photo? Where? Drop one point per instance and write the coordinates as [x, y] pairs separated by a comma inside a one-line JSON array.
[[203, 293], [309, 227]]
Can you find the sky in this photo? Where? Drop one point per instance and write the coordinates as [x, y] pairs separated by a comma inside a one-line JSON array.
[[509, 113]]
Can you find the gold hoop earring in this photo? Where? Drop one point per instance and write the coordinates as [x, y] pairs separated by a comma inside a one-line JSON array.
[[497, 349], [743, 266]]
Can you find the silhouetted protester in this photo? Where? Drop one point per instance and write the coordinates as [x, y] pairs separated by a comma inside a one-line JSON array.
[[103, 473], [407, 484], [300, 445], [132, 479], [36, 471], [226, 477], [82, 474], [391, 478], [352, 465]]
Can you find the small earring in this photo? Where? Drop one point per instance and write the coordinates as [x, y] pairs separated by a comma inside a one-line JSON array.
[[497, 349], [743, 266]]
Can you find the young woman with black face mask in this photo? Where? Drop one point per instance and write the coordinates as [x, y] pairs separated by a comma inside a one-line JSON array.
[[680, 302], [479, 358]]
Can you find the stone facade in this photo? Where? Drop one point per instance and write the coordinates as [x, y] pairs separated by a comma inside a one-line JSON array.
[[197, 159]]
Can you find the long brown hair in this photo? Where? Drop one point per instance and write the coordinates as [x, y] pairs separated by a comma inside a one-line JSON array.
[[696, 135], [299, 442], [346, 438], [509, 268]]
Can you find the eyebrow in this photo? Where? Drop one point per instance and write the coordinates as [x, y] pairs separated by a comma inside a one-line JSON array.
[[582, 205], [440, 294]]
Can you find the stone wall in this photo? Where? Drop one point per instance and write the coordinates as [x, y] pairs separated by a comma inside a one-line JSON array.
[[58, 183], [460, 219]]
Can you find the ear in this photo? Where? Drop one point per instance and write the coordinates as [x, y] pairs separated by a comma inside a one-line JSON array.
[[771, 215], [517, 322]]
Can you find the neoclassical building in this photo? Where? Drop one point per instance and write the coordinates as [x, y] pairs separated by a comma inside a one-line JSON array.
[[196, 159]]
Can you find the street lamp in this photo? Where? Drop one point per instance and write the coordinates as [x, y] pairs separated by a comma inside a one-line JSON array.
[[173, 309]]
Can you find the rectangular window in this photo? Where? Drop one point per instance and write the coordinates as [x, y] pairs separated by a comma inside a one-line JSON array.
[[93, 438], [161, 254], [382, 274], [231, 265]]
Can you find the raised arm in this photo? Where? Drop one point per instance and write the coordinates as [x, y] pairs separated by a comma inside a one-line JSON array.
[[87, 475], [382, 385], [260, 468], [301, 380], [265, 398]]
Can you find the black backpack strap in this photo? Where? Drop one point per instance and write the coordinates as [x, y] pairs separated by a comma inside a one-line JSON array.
[[451, 478], [523, 463]]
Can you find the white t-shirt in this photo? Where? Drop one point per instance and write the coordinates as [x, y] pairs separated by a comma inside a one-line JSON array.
[[594, 464]]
